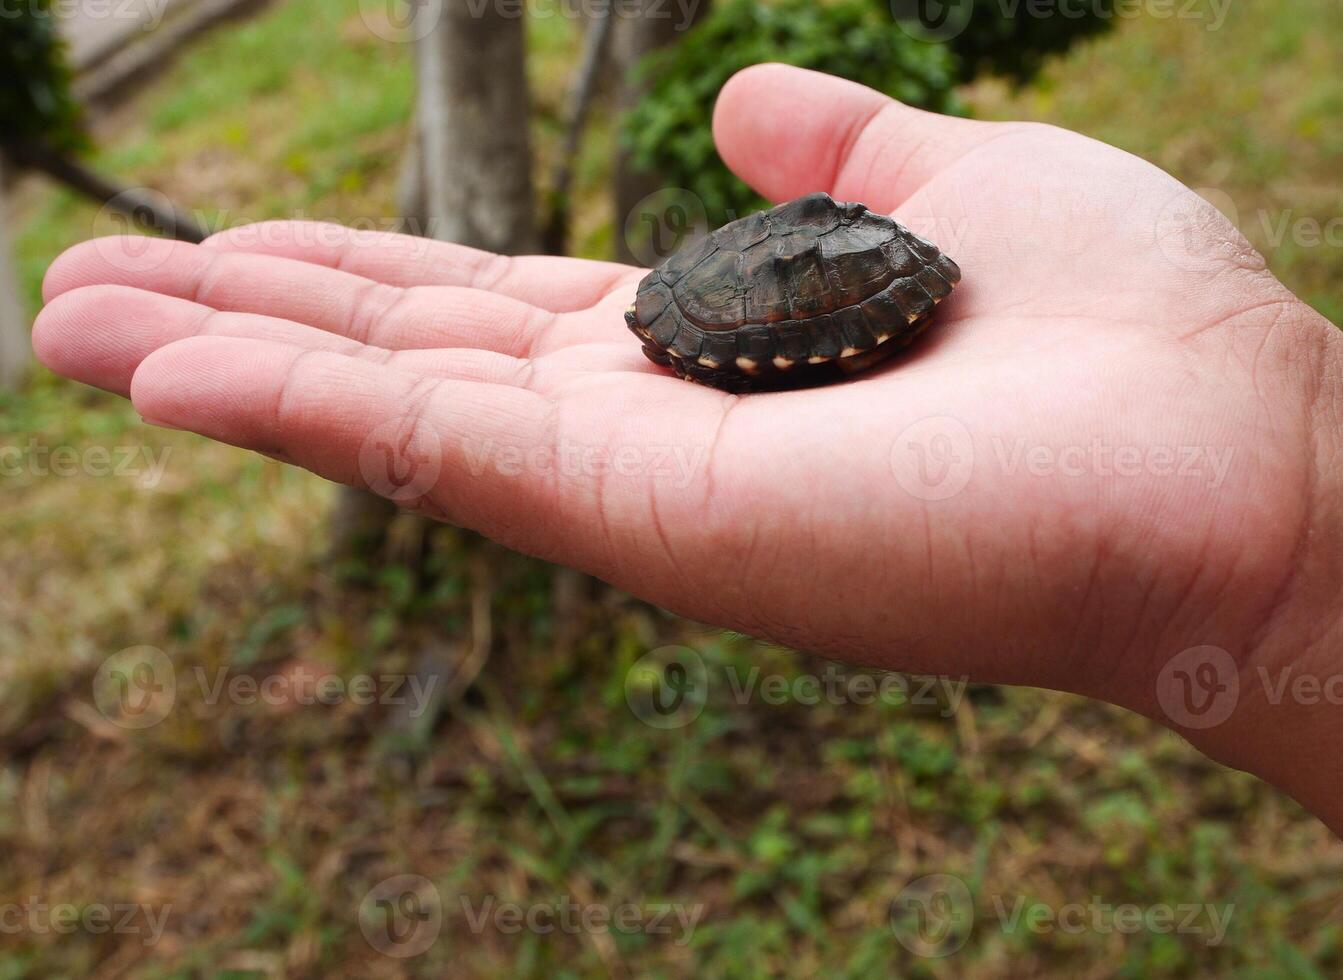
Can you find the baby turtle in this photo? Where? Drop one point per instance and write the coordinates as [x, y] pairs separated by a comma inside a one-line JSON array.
[[807, 292]]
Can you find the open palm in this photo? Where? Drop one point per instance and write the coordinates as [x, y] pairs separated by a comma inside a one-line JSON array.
[[1099, 454]]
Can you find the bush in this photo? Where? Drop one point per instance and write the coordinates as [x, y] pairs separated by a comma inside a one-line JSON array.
[[1016, 43], [670, 132], [35, 100]]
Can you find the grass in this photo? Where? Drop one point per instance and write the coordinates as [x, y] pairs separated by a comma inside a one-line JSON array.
[[1247, 108], [261, 826]]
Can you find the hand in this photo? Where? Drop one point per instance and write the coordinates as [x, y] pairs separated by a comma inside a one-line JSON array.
[[1115, 443]]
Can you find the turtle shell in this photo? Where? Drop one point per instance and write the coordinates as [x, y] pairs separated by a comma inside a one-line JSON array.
[[804, 293]]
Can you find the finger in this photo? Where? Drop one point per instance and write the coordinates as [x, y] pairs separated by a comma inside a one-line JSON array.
[[459, 450], [550, 282], [788, 131], [99, 335], [570, 477], [339, 302]]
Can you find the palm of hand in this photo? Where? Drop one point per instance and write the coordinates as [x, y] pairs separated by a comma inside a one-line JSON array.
[[1071, 463]]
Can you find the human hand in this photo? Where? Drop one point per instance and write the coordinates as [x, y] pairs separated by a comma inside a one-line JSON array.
[[998, 503]]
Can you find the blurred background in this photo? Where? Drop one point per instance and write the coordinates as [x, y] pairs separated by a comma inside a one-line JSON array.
[[255, 725]]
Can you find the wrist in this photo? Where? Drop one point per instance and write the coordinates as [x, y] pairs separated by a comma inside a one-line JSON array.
[[1272, 702]]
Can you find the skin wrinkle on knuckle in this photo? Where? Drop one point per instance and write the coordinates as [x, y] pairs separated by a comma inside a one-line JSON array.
[[378, 355], [212, 323], [216, 268], [533, 332], [347, 256], [525, 374], [371, 308], [493, 270]]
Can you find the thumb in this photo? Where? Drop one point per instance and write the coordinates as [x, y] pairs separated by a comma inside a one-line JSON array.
[[789, 131]]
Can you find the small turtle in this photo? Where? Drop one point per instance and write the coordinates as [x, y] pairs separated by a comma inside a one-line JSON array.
[[807, 292]]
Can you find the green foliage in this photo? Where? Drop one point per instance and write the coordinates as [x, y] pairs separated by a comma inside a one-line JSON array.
[[1015, 39], [35, 100], [669, 132]]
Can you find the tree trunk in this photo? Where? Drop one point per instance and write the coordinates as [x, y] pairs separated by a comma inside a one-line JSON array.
[[474, 125], [638, 32], [14, 334], [467, 179], [596, 39]]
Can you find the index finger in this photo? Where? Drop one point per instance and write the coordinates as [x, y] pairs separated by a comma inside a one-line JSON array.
[[561, 285]]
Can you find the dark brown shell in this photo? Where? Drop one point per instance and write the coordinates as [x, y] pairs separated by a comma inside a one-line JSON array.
[[803, 293]]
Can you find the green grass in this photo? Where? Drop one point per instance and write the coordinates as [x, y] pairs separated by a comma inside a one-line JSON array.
[[1249, 109], [263, 826]]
